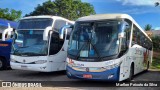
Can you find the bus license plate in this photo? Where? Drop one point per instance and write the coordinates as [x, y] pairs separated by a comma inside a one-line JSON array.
[[23, 67], [87, 76]]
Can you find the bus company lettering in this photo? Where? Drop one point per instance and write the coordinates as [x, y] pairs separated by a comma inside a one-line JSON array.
[[4, 45], [79, 65]]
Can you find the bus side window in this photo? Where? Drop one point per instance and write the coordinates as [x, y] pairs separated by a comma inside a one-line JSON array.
[[54, 43], [69, 31], [127, 33], [0, 36], [134, 36]]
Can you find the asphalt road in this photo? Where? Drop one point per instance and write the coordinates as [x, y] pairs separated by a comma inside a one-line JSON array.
[[72, 84]]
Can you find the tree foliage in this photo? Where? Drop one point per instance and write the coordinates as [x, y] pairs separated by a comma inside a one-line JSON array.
[[156, 42], [156, 4], [70, 9], [10, 14], [148, 27]]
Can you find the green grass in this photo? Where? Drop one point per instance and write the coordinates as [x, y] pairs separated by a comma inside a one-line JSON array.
[[156, 63]]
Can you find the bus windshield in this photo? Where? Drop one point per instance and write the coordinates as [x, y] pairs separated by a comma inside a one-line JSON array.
[[30, 43], [36, 23], [94, 39]]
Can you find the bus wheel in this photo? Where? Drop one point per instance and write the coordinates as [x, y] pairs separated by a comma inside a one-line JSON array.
[[131, 73], [2, 64], [147, 66]]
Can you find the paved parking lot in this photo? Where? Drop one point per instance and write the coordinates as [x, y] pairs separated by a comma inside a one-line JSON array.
[[19, 75]]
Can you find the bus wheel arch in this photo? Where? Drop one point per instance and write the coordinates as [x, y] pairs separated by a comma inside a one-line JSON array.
[[148, 66], [3, 63], [131, 72]]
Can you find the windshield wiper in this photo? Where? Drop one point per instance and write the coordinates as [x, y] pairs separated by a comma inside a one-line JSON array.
[[24, 47], [32, 54], [89, 42], [17, 49], [77, 56]]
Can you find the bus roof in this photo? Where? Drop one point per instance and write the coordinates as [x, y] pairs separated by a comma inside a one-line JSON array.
[[4, 23], [111, 16], [48, 16]]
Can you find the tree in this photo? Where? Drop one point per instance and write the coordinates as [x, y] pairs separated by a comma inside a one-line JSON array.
[[10, 14], [156, 42], [70, 9], [148, 27], [156, 4]]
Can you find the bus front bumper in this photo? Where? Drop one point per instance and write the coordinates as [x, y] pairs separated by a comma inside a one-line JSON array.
[[29, 67], [108, 75]]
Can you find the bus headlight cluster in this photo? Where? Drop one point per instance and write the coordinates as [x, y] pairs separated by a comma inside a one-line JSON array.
[[12, 60], [112, 66], [40, 61]]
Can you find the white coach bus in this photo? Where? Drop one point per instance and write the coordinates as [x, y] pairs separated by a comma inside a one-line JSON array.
[[37, 46], [111, 47]]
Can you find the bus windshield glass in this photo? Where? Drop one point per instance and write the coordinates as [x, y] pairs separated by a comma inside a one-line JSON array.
[[30, 43], [36, 23], [94, 39]]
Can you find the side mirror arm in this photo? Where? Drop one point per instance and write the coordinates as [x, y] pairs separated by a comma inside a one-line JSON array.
[[8, 30], [64, 29], [45, 33]]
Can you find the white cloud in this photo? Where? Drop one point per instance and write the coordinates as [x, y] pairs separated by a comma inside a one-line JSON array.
[[139, 2], [157, 28]]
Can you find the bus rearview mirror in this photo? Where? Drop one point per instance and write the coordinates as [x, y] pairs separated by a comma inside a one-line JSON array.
[[63, 31], [45, 33], [8, 32]]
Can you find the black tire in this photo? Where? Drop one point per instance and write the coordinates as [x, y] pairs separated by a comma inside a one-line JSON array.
[[131, 73], [2, 64], [147, 66]]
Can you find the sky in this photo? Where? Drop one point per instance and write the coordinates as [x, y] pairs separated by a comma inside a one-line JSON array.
[[143, 11]]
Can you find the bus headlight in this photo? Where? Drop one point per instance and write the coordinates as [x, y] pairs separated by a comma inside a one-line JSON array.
[[113, 66], [12, 60], [40, 61]]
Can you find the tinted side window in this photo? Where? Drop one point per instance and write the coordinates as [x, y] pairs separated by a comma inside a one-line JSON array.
[[69, 31], [140, 38], [127, 32], [0, 35], [135, 36], [55, 44], [126, 39], [59, 24]]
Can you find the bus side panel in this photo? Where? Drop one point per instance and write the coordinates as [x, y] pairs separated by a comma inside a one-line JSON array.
[[5, 49], [126, 59], [58, 61]]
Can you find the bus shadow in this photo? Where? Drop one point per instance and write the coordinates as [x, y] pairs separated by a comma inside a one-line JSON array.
[[150, 75], [42, 74]]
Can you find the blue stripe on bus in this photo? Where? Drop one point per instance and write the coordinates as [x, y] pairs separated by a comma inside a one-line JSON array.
[[102, 76]]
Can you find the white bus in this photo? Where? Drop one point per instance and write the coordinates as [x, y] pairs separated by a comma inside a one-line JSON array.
[[37, 46], [111, 47]]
